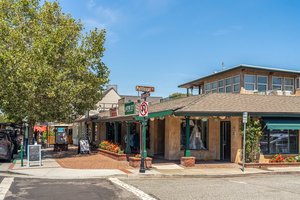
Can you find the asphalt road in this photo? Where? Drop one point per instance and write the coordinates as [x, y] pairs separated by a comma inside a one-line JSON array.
[[257, 187], [45, 189]]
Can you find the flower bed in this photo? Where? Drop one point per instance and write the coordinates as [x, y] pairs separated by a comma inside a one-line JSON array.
[[136, 162], [112, 150], [115, 156], [278, 160]]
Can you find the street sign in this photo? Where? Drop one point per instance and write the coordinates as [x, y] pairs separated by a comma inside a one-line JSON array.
[[140, 88], [145, 95], [129, 108], [144, 109], [245, 117]]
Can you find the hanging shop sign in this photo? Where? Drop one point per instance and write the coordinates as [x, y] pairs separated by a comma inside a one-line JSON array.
[[129, 108], [140, 88], [113, 112], [144, 109]]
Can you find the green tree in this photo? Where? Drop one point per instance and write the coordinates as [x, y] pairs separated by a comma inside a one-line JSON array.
[[51, 68], [253, 137]]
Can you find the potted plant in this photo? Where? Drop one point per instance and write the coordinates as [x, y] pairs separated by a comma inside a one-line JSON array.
[[135, 161]]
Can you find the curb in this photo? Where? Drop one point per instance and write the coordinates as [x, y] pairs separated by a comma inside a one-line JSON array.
[[137, 176]]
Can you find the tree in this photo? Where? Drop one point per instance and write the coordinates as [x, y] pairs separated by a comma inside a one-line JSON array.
[[177, 95], [50, 68], [253, 137]]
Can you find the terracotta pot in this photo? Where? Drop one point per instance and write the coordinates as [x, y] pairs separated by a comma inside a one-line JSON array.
[[136, 162], [115, 156]]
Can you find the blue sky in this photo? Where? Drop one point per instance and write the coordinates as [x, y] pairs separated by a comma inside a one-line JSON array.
[[164, 43]]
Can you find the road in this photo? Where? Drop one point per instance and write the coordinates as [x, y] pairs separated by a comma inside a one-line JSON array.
[[45, 189], [255, 187]]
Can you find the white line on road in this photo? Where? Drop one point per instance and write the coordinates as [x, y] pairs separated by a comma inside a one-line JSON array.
[[139, 193], [240, 182], [4, 187]]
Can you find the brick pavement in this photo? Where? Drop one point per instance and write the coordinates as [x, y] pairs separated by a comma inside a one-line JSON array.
[[92, 161]]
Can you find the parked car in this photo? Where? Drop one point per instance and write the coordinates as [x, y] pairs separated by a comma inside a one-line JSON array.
[[6, 146]]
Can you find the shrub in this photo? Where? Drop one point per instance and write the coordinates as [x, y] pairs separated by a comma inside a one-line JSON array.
[[297, 158], [290, 159]]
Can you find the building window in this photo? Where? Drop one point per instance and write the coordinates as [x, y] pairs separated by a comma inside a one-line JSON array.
[[297, 83], [198, 135], [280, 141], [207, 88], [250, 81], [214, 87], [262, 83], [289, 84], [277, 83], [228, 88], [236, 83], [221, 86]]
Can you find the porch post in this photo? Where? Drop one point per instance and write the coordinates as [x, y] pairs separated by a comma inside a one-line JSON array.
[[187, 152], [115, 132], [127, 149]]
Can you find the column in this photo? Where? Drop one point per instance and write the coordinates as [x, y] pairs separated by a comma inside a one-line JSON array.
[[127, 149], [187, 152], [115, 132]]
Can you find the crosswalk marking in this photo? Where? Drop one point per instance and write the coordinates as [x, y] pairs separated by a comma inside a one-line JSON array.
[[139, 193], [4, 187]]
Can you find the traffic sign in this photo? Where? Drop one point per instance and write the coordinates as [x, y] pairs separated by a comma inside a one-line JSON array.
[[145, 95], [140, 88], [144, 109], [245, 117]]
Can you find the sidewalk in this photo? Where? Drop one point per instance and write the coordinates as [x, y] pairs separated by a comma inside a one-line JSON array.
[[69, 165]]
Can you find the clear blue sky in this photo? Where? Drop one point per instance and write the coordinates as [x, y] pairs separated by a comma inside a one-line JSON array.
[[168, 42]]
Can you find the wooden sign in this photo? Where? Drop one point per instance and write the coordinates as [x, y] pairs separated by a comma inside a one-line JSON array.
[[113, 112], [140, 88]]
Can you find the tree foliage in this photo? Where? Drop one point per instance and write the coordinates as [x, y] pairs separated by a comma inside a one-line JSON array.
[[50, 68], [253, 137]]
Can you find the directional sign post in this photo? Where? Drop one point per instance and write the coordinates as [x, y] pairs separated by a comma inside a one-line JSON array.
[[245, 119], [143, 112]]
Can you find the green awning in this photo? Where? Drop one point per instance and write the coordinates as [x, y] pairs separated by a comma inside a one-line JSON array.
[[283, 124]]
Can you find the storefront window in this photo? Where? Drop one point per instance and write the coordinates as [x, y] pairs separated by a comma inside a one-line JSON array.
[[279, 141], [198, 135]]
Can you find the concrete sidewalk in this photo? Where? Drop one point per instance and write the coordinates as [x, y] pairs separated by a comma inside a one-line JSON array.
[[52, 170]]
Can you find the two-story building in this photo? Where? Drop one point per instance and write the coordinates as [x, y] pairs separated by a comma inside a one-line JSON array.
[[208, 125]]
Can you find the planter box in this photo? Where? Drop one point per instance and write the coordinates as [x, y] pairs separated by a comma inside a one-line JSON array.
[[188, 161], [278, 164], [115, 156], [136, 162]]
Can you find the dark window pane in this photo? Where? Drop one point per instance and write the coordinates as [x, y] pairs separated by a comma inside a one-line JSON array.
[[262, 79], [264, 143], [249, 78], [262, 88], [249, 86]]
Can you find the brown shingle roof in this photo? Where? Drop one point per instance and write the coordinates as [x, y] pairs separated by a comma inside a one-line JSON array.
[[238, 103], [172, 104]]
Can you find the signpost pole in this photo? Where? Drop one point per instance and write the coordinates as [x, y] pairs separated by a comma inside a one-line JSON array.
[[245, 119], [21, 155]]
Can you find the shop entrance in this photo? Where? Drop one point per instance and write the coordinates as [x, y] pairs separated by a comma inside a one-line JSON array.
[[160, 145], [225, 140]]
